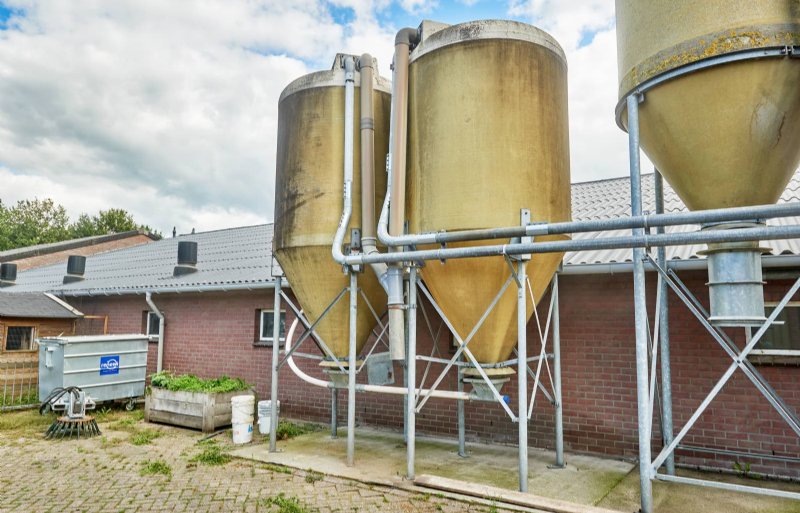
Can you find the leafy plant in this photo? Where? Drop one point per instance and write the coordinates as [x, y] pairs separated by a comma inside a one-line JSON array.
[[286, 429], [144, 437], [312, 477], [191, 383], [156, 467], [287, 504], [212, 454]]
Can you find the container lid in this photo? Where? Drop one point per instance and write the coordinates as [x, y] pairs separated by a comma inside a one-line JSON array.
[[334, 78], [91, 338]]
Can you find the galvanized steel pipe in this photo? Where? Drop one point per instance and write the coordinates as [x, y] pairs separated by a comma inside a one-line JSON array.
[[160, 358]]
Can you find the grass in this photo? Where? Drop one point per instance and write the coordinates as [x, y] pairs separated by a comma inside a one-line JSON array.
[[312, 477], [287, 429], [156, 467], [145, 436], [27, 422], [287, 504], [191, 383], [280, 469], [212, 454], [19, 399]]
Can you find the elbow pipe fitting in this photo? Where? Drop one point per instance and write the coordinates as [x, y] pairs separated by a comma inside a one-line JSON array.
[[407, 36]]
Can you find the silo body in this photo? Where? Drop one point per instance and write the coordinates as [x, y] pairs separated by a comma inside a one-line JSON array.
[[487, 136], [723, 136], [308, 197]]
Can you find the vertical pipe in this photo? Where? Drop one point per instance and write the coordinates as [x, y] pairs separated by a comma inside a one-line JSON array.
[[522, 375], [559, 418], [411, 363], [351, 373], [405, 367], [640, 313], [666, 372], [334, 412], [276, 341], [462, 421]]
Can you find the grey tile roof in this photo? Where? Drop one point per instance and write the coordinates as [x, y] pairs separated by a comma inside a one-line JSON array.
[[234, 257], [34, 305], [607, 199], [242, 257]]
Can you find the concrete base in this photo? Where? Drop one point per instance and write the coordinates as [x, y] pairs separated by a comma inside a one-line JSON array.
[[607, 483]]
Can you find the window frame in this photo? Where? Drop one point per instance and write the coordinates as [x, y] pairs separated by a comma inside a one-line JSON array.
[[773, 356], [34, 331], [267, 341], [149, 314]]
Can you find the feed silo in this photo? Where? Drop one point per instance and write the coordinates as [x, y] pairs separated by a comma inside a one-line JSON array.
[[726, 133], [308, 196], [487, 136]]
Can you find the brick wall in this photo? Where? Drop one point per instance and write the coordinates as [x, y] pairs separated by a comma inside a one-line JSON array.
[[213, 334]]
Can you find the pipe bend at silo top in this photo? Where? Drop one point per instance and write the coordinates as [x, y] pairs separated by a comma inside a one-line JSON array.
[[435, 36], [334, 78]]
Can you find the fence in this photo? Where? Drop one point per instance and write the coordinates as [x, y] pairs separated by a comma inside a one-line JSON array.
[[19, 385]]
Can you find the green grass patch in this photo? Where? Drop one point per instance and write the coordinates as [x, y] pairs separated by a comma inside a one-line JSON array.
[[191, 383], [212, 454], [312, 476], [280, 469], [156, 467], [19, 399], [145, 436], [286, 504], [27, 422], [287, 429]]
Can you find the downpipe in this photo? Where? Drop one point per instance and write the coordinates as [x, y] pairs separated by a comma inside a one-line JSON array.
[[347, 210], [148, 297]]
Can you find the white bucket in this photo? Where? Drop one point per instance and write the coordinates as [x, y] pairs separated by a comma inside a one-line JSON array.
[[265, 408], [264, 423], [242, 407], [243, 433]]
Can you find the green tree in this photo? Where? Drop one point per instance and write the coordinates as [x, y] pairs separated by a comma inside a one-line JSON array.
[[35, 221], [113, 220]]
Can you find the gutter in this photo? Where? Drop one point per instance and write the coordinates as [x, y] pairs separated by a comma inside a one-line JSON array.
[[135, 291], [693, 264], [161, 322]]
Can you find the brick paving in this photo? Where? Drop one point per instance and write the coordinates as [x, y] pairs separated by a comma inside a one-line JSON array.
[[104, 474]]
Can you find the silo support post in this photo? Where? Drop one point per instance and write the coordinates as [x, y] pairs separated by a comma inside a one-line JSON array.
[[276, 334], [559, 419], [334, 412], [640, 312], [351, 371], [462, 421], [411, 367], [522, 375]]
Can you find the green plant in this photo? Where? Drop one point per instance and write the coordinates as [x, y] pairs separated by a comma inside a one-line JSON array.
[[212, 454], [280, 469], [313, 477], [742, 470], [286, 429], [191, 383], [145, 437], [287, 504], [156, 467]]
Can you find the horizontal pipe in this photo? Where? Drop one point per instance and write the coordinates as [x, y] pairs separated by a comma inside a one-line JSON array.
[[729, 452], [622, 223], [625, 242], [729, 486]]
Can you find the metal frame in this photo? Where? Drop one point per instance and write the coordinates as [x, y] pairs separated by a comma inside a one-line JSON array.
[[648, 468]]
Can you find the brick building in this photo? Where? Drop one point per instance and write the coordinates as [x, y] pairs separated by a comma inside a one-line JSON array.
[[214, 326]]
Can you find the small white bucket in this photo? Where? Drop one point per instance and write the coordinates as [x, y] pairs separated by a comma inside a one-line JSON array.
[[264, 423], [242, 433], [242, 407], [265, 408]]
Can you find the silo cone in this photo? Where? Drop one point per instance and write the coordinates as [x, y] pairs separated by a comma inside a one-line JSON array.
[[308, 198], [488, 136], [724, 136]]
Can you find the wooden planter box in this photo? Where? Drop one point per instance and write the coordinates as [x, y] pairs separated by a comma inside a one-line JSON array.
[[196, 410]]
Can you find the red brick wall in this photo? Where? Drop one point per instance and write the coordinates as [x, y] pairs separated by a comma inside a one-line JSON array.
[[213, 334]]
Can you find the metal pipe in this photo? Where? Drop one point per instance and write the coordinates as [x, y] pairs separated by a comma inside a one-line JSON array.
[[462, 418], [641, 240], [411, 363], [276, 343], [693, 264], [351, 372], [174, 289], [334, 413], [622, 223], [522, 376], [349, 114], [559, 417], [161, 322], [729, 486], [663, 306], [640, 313]]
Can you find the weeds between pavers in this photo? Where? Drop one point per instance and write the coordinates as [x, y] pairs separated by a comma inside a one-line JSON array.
[[287, 429], [156, 467], [212, 454], [288, 504], [145, 436]]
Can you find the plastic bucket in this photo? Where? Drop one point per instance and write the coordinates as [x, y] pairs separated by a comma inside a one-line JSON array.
[[242, 433], [264, 423], [242, 407], [265, 408]]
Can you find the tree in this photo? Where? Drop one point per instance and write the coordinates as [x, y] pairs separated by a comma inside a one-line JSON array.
[[35, 221], [113, 220]]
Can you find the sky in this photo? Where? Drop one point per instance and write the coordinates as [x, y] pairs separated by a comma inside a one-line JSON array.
[[169, 109]]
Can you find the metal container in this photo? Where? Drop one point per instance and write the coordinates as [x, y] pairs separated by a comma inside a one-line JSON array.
[[106, 367], [487, 136], [726, 135], [308, 196]]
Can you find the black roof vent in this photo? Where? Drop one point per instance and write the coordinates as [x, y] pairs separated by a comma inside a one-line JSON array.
[[76, 266], [187, 258], [8, 274]]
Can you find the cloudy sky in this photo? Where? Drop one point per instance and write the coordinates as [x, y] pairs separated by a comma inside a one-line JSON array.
[[169, 108]]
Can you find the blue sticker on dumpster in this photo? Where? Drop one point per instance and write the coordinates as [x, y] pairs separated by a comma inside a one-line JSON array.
[[109, 365]]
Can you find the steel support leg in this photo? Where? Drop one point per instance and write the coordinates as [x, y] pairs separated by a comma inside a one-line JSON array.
[[559, 418], [276, 346], [462, 421], [663, 306], [411, 363], [351, 372], [640, 312], [334, 413], [522, 375]]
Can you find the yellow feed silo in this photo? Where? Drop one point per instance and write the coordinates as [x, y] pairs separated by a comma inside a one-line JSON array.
[[487, 136], [308, 196]]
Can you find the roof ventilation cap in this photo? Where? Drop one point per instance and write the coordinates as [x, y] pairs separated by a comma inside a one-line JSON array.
[[8, 274], [76, 266], [187, 258]]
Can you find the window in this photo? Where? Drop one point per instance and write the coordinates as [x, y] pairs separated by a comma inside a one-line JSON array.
[[266, 326], [19, 338], [152, 324], [781, 342]]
